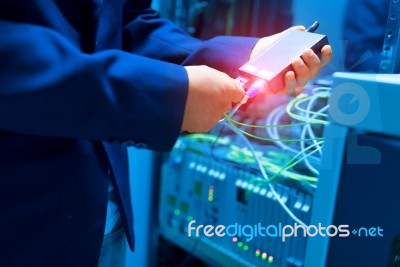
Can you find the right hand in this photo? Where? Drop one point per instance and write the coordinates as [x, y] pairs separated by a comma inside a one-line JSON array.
[[210, 94], [304, 68]]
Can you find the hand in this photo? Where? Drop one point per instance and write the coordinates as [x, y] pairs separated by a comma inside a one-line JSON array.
[[211, 94], [305, 68]]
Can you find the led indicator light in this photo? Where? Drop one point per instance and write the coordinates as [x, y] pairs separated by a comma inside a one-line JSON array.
[[264, 256], [270, 259]]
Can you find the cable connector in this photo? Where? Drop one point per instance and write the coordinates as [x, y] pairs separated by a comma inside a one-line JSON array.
[[254, 89]]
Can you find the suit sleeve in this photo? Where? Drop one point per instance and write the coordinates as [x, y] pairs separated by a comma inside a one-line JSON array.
[[145, 33], [50, 88]]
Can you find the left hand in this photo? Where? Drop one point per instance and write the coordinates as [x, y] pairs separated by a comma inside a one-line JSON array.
[[305, 68]]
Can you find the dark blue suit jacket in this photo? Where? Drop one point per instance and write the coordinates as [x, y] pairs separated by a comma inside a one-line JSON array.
[[80, 80]]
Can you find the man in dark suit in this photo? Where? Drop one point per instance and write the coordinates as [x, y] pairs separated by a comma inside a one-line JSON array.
[[80, 81], [364, 30]]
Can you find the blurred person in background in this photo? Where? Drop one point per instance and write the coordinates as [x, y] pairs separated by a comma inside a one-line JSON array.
[[364, 30]]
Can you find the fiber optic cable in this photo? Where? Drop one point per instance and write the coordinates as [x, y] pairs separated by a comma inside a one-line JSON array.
[[311, 133], [253, 90], [265, 126], [264, 174], [291, 164], [274, 133], [292, 103], [271, 139], [276, 114], [241, 156]]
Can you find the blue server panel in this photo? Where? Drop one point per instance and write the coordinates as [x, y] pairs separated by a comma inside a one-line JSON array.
[[252, 178], [196, 186]]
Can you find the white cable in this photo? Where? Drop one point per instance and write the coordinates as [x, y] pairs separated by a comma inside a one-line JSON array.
[[309, 107], [236, 107], [273, 120], [268, 122], [308, 128], [264, 174], [317, 144]]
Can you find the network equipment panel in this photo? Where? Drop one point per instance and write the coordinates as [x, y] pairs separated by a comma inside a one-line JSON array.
[[242, 195], [253, 174], [197, 187]]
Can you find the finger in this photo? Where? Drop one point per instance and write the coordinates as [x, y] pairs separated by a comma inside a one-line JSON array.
[[224, 109], [298, 90], [290, 81], [294, 28], [301, 71], [312, 61], [237, 92], [297, 28], [326, 54], [234, 91]]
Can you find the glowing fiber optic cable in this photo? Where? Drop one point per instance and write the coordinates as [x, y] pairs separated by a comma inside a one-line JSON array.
[[274, 119], [209, 138], [303, 98], [311, 133], [264, 174], [291, 164], [269, 139], [263, 126], [246, 157]]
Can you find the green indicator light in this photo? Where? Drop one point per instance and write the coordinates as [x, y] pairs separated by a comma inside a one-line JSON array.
[[171, 200], [246, 247], [189, 218], [264, 256], [240, 244], [185, 207], [257, 253], [197, 188], [177, 212], [270, 259]]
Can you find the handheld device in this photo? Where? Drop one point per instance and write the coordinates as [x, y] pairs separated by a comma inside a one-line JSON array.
[[269, 68], [266, 72]]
